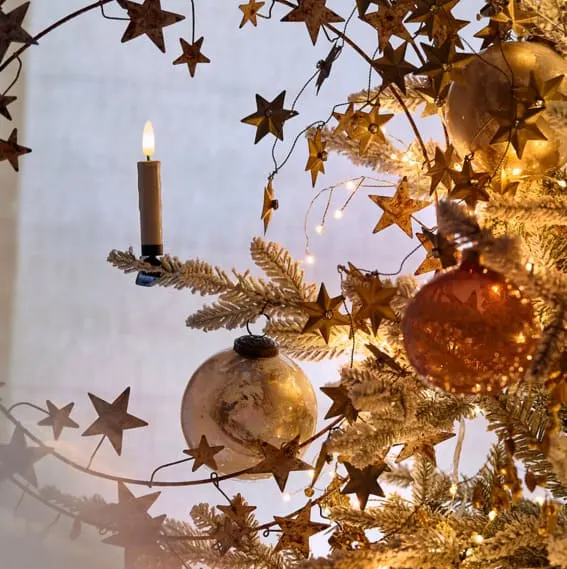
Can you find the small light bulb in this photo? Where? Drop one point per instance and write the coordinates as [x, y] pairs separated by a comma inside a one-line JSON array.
[[540, 500], [393, 156], [529, 266], [319, 228], [516, 171], [453, 490], [477, 538], [477, 410], [350, 185], [309, 259], [338, 214], [310, 474], [562, 183], [492, 515], [286, 497]]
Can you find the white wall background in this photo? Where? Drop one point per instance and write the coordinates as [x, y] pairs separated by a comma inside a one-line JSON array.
[[80, 325]]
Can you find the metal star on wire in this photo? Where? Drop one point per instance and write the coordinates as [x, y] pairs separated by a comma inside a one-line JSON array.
[[130, 508], [347, 121], [493, 33], [517, 130], [537, 93], [438, 22], [113, 419], [11, 28], [238, 511], [368, 128], [315, 15], [442, 62], [17, 458], [439, 170], [269, 204], [6, 100], [325, 66], [324, 314], [296, 531], [424, 447], [10, 150], [204, 454], [58, 418], [317, 156], [388, 21], [516, 17], [342, 405], [393, 67], [148, 19], [364, 482], [441, 253], [433, 96], [250, 12], [398, 209], [363, 5], [470, 186], [191, 55], [269, 117], [375, 301], [279, 462]]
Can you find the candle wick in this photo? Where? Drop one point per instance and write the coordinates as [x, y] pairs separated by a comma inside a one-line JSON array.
[[147, 158]]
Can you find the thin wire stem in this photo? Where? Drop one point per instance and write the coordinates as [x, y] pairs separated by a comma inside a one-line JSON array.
[[97, 448], [15, 80], [27, 404]]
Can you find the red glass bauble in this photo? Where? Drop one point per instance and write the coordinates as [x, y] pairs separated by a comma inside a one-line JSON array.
[[470, 330]]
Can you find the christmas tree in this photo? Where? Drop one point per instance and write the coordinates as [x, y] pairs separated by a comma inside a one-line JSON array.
[[482, 333]]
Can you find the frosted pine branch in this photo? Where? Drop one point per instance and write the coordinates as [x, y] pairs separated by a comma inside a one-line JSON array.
[[548, 210]]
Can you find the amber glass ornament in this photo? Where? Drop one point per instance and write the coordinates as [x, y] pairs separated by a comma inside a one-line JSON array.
[[243, 396], [470, 330], [492, 84]]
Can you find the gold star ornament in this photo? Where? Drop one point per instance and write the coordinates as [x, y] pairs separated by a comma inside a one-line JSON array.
[[113, 419], [204, 454], [441, 253], [296, 531], [393, 67], [315, 14], [470, 186], [424, 447], [269, 205], [58, 418], [342, 405], [11, 28], [238, 511], [388, 21], [191, 55], [375, 301], [148, 19], [364, 482], [368, 128], [398, 209], [10, 150], [250, 12], [279, 462], [324, 314], [269, 117], [439, 171], [317, 156]]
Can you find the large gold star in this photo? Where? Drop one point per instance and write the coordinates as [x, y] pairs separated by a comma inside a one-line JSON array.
[[279, 462], [388, 21], [364, 482], [10, 150], [269, 117], [423, 446], [269, 205], [204, 454], [342, 405], [11, 28], [113, 419], [368, 128], [375, 301], [148, 19], [517, 130], [324, 314], [297, 531], [317, 156], [315, 15], [398, 209], [250, 12], [191, 55], [58, 418], [393, 67]]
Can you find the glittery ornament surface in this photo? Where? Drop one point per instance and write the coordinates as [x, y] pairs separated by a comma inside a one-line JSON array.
[[491, 87], [240, 402], [470, 330]]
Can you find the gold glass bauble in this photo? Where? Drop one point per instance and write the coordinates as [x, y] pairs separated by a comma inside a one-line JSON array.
[[243, 396], [488, 84], [470, 330]]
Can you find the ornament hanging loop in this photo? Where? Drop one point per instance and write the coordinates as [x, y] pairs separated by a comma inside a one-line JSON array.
[[254, 346]]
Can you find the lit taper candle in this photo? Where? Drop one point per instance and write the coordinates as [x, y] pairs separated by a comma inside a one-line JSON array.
[[149, 191]]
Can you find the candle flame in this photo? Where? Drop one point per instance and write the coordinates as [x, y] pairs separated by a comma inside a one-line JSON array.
[[148, 140]]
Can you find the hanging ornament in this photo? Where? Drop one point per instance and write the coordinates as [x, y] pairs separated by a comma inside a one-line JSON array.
[[470, 330], [500, 109], [245, 397]]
